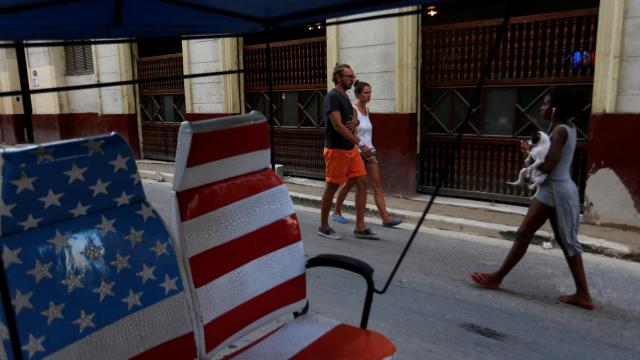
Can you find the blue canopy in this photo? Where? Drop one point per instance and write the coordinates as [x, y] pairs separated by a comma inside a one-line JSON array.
[[95, 19]]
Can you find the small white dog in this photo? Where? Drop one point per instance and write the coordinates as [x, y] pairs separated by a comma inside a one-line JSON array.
[[536, 158]]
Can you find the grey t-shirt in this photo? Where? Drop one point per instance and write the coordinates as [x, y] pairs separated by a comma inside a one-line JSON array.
[[335, 101]]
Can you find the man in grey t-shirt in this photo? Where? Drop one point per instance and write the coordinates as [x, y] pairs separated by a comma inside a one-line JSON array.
[[337, 100], [341, 156]]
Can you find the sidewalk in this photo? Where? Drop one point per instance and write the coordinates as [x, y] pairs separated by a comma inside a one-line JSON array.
[[468, 216]]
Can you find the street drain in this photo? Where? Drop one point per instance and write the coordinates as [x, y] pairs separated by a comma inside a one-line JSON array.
[[484, 331]]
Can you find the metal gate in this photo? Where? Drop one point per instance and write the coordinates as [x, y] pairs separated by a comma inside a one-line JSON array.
[[300, 84], [537, 52], [162, 105]]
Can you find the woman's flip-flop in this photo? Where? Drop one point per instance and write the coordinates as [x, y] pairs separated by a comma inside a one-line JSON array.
[[480, 280], [572, 301]]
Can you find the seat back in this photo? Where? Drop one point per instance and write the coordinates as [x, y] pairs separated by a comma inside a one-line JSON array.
[[91, 269], [237, 227]]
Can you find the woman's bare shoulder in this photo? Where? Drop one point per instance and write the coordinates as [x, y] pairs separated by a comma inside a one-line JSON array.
[[560, 130]]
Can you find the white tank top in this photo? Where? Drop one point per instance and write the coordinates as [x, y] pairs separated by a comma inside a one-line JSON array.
[[365, 129]]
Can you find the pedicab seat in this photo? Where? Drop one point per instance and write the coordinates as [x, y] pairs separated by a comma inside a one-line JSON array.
[[237, 228], [91, 269]]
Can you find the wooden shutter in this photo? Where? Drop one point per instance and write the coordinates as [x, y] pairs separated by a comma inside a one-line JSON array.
[[78, 59]]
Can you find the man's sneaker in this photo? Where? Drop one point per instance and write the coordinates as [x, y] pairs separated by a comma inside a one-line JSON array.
[[329, 233], [365, 234]]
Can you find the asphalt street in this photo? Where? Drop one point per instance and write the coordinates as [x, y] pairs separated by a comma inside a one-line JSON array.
[[433, 311]]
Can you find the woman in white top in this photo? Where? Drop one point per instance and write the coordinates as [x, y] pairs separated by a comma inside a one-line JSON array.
[[363, 93]]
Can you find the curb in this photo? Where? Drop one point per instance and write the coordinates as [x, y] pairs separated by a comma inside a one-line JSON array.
[[156, 176], [498, 231], [448, 223], [168, 177]]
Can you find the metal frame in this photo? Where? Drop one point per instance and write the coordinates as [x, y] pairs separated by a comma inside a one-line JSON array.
[[456, 144], [26, 92], [268, 26], [354, 265], [540, 43]]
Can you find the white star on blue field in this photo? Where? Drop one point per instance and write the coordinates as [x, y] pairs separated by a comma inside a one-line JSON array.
[[81, 246]]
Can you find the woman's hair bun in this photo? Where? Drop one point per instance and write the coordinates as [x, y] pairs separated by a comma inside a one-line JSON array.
[[358, 86]]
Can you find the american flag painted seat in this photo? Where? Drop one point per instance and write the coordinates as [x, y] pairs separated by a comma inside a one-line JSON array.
[[238, 231], [93, 273], [91, 269]]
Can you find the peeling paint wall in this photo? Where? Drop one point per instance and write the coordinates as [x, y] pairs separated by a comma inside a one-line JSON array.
[[612, 194], [609, 201], [613, 187]]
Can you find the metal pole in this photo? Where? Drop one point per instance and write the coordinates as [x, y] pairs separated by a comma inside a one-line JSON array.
[[23, 72], [240, 92], [120, 83], [12, 324], [270, 85]]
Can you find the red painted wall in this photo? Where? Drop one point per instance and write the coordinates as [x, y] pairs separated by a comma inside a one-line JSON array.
[[394, 136], [11, 129], [46, 127], [52, 127], [614, 144], [205, 116]]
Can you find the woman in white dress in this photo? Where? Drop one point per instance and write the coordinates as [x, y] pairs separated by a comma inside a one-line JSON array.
[[365, 133]]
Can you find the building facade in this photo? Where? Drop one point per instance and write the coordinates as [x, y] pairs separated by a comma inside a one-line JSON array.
[[613, 185], [422, 70]]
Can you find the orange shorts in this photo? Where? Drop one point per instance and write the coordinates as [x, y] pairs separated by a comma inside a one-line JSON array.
[[342, 165]]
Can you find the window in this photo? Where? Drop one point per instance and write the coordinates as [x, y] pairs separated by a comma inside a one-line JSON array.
[[499, 110], [78, 59]]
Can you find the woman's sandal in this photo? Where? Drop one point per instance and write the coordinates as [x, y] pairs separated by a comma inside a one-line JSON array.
[[480, 280], [339, 218], [392, 223]]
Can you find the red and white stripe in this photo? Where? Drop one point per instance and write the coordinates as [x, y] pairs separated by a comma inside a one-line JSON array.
[[241, 239], [316, 337], [218, 149], [130, 337], [238, 229], [235, 220]]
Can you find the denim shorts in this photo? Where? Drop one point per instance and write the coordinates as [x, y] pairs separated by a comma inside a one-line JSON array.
[[369, 161]]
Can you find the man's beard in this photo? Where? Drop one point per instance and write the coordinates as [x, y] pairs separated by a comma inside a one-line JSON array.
[[346, 86]]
